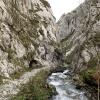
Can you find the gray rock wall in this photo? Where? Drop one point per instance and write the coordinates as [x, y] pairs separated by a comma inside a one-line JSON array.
[[79, 35], [26, 33]]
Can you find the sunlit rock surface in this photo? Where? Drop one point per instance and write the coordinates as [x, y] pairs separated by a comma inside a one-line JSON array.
[[79, 35], [26, 38], [25, 27]]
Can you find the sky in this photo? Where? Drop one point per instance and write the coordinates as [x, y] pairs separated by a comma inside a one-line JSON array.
[[60, 7]]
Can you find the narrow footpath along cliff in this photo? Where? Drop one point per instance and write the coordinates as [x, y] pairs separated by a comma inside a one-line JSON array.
[[31, 41], [26, 42]]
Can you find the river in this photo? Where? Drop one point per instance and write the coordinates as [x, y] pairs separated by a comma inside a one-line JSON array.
[[65, 87]]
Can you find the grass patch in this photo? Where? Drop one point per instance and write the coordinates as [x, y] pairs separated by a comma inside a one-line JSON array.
[[18, 74], [1, 79], [89, 76], [36, 89], [86, 74]]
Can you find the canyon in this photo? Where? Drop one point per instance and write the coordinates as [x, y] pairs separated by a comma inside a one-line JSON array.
[[31, 41]]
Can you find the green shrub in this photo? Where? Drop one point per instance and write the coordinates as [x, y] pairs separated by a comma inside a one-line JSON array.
[[36, 89], [87, 74]]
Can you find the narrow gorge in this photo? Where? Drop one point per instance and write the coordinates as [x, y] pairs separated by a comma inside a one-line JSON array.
[[33, 46]]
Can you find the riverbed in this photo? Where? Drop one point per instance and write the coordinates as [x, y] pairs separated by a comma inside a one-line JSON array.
[[65, 88]]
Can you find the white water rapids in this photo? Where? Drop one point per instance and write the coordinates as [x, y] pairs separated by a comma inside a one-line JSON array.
[[65, 88]]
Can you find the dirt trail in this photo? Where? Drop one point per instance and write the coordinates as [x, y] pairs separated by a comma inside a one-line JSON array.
[[13, 86]]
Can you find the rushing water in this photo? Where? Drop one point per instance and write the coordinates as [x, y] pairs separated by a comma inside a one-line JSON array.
[[65, 87]]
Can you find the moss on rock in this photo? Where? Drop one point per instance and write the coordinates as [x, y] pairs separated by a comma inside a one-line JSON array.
[[87, 76], [36, 89]]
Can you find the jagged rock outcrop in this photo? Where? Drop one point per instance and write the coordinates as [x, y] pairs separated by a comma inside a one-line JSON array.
[[26, 30], [26, 41], [79, 35]]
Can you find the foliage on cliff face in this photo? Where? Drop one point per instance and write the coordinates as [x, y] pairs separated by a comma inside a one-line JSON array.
[[26, 28], [26, 38], [79, 36], [36, 89]]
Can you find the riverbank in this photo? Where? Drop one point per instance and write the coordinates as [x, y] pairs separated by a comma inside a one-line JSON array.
[[80, 83], [36, 88], [65, 87], [85, 80]]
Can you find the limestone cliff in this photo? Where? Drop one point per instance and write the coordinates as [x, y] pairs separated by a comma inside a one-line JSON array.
[[79, 34], [26, 41], [26, 28]]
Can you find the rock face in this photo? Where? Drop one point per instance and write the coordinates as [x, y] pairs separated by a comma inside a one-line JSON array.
[[26, 31], [26, 41], [79, 35]]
